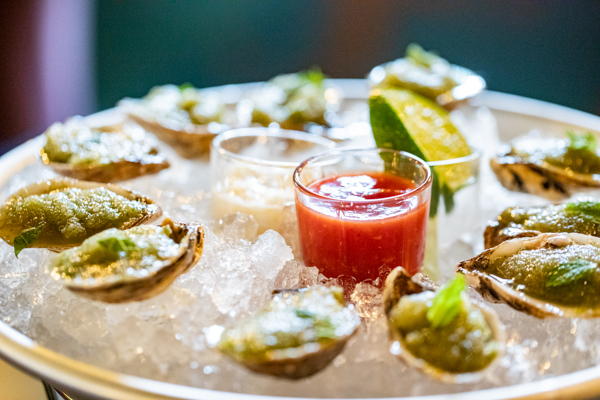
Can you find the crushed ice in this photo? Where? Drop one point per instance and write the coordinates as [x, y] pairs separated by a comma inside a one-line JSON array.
[[168, 337]]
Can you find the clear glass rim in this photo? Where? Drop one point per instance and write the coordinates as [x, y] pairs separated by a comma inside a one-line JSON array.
[[348, 150], [475, 154], [256, 132]]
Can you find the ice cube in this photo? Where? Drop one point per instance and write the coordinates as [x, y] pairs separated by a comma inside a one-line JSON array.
[[237, 226]]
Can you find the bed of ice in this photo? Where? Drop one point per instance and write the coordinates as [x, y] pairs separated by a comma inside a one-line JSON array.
[[165, 338]]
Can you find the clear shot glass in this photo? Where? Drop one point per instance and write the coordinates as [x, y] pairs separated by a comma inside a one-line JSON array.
[[454, 230], [252, 168]]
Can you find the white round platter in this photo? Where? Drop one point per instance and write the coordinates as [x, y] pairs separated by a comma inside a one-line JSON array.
[[514, 116]]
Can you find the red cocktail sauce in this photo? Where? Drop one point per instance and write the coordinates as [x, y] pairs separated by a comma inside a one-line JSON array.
[[367, 230]]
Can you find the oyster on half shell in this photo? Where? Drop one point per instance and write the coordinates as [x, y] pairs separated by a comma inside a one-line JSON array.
[[549, 168], [473, 332], [293, 101], [58, 214], [429, 75], [519, 222], [185, 118], [106, 154], [296, 334], [550, 275], [117, 266]]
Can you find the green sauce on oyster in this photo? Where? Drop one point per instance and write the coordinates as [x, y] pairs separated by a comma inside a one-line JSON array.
[[200, 107], [69, 214], [420, 71], [565, 274], [292, 100], [176, 106], [76, 143], [118, 266], [551, 168], [577, 154], [115, 254], [572, 217], [463, 343], [295, 334]]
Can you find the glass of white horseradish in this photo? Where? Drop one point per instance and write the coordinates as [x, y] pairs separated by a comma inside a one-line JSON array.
[[252, 169]]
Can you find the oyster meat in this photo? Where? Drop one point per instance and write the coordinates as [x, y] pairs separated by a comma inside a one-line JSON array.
[[549, 168], [516, 222], [184, 117], [61, 213], [429, 75], [117, 266], [443, 332], [296, 334], [550, 275], [292, 101], [108, 154]]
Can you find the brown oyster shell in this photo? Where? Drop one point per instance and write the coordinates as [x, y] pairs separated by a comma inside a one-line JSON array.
[[121, 170], [303, 365], [399, 283], [548, 181], [41, 187], [497, 232], [189, 140], [469, 85], [495, 290], [143, 288]]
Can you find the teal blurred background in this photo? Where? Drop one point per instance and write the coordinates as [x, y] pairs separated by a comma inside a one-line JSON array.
[[548, 50]]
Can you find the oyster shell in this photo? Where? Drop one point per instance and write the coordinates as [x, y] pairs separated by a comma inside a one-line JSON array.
[[533, 165], [126, 282], [69, 219], [170, 113], [399, 284], [429, 75], [294, 101], [518, 273], [296, 334], [107, 154], [519, 222]]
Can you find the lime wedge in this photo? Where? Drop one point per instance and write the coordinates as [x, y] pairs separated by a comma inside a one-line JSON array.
[[403, 120]]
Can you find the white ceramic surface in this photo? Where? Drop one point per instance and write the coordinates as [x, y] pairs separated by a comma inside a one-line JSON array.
[[515, 116]]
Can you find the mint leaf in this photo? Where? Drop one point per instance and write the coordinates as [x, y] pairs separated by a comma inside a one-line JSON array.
[[585, 141], [314, 76], [184, 86], [447, 303], [588, 210], [26, 237], [322, 324], [116, 245], [569, 272], [304, 314]]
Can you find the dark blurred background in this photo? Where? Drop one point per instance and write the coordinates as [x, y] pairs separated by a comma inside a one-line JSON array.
[[66, 57]]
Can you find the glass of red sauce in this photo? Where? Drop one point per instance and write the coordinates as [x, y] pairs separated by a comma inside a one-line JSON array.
[[362, 212]]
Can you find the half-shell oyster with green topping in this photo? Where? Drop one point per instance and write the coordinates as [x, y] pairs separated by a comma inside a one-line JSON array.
[[443, 332], [61, 213], [549, 168], [550, 275], [184, 117], [429, 75], [293, 101], [517, 222], [117, 266], [109, 154], [296, 334]]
